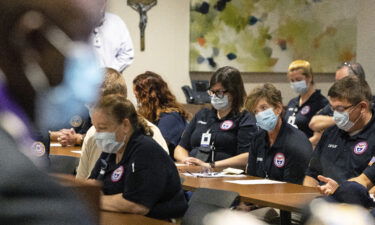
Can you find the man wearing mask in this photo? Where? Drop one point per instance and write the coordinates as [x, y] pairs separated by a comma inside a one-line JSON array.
[[345, 150], [40, 41], [324, 118], [112, 41]]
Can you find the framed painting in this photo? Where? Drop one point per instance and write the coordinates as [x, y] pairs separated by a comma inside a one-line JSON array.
[[266, 35]]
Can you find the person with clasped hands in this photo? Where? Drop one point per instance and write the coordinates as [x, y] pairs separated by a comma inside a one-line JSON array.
[[220, 136], [346, 149]]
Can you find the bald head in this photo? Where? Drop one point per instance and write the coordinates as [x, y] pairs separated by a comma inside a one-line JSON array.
[[23, 28]]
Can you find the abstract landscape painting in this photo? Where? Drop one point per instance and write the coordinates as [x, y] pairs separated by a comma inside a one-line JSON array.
[[266, 35]]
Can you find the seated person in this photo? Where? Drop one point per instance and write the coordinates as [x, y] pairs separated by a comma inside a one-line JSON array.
[[113, 83], [345, 150], [138, 176], [279, 151], [309, 101], [219, 136], [324, 118], [159, 106]]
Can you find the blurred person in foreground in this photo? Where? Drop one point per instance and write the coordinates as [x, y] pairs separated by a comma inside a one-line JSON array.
[[41, 45]]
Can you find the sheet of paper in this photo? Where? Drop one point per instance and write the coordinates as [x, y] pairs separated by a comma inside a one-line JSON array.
[[249, 182], [77, 151], [55, 144], [212, 175]]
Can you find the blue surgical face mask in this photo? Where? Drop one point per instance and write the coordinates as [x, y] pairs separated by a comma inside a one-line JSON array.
[[342, 120], [300, 87], [266, 119], [220, 103], [80, 85], [107, 142]]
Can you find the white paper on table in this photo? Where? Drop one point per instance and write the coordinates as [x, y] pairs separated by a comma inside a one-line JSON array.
[[212, 175], [261, 181], [77, 151], [55, 145]]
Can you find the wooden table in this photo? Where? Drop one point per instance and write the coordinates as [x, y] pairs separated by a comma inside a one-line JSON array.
[[286, 196], [112, 218], [67, 151]]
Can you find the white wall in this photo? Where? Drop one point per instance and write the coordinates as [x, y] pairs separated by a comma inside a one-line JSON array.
[[167, 47], [167, 42]]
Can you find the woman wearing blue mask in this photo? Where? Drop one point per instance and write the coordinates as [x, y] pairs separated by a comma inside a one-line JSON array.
[[301, 109], [138, 175], [219, 137], [279, 151]]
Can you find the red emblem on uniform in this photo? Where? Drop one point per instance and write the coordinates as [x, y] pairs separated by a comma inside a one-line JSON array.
[[226, 125], [360, 148], [117, 174], [279, 160], [305, 110]]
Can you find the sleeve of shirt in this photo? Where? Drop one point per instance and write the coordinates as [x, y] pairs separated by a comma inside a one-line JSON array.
[[247, 130], [315, 168], [326, 111], [125, 53], [158, 137], [186, 135], [170, 126], [299, 153], [83, 169], [370, 173], [147, 181], [252, 160]]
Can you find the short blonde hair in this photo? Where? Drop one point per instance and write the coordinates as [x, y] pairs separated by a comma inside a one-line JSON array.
[[302, 65]]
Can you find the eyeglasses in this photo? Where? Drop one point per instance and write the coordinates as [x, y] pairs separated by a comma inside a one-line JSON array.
[[349, 65], [341, 108], [218, 93]]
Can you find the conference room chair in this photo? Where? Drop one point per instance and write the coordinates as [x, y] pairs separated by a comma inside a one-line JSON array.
[[63, 164], [204, 201]]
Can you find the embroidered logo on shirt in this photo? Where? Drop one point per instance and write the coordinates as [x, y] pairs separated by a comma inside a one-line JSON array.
[[360, 148], [279, 160], [202, 122], [117, 174], [305, 110], [226, 125], [38, 148], [76, 121]]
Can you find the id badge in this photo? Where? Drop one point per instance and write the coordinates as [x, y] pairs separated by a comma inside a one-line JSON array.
[[205, 141]]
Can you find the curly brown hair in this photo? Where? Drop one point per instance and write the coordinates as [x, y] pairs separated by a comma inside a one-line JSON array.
[[154, 97]]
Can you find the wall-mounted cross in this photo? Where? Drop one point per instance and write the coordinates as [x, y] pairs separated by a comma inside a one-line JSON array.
[[142, 6]]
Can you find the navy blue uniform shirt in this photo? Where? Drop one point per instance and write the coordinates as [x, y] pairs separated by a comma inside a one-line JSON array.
[[286, 160], [230, 135], [300, 116], [326, 111], [145, 175], [370, 173], [341, 156], [171, 126]]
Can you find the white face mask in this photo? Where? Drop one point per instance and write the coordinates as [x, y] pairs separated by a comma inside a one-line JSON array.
[[300, 87], [267, 119], [107, 142], [219, 103], [342, 120]]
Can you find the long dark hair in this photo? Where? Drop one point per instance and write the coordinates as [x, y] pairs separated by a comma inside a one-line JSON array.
[[230, 78]]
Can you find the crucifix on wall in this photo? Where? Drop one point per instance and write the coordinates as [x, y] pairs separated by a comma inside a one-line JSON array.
[[142, 6]]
